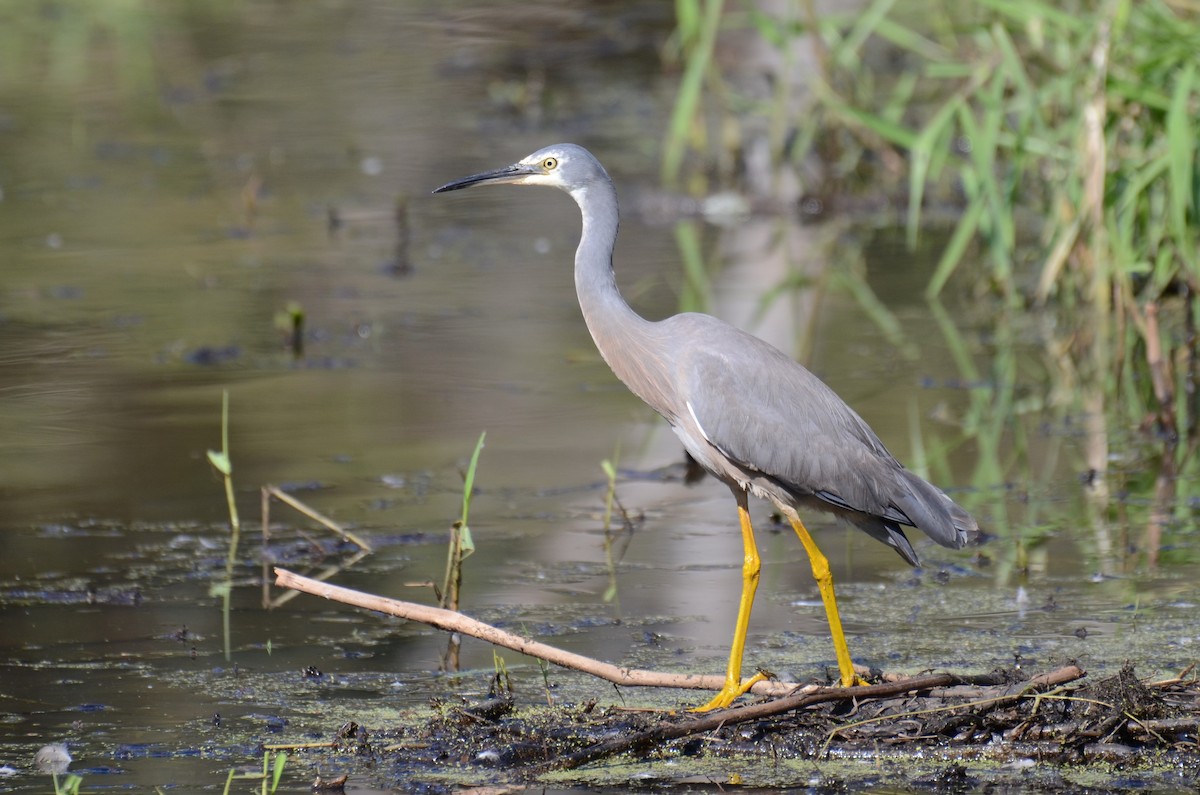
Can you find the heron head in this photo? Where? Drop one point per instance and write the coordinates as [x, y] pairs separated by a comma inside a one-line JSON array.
[[564, 166]]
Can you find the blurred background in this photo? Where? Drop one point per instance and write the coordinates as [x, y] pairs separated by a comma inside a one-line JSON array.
[[978, 227]]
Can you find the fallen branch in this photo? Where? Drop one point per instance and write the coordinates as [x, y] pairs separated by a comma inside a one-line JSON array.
[[671, 730], [452, 621], [268, 492], [786, 693]]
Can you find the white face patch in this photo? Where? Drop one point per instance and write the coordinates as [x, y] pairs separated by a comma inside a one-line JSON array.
[[552, 179]]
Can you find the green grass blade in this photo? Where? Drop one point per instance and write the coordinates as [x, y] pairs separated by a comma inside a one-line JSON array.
[[695, 294], [1136, 92], [687, 19], [876, 311], [469, 478], [687, 101], [960, 353], [846, 54], [610, 472], [901, 99], [1181, 142], [1013, 63], [1137, 187], [908, 39], [277, 769], [983, 154], [937, 131], [884, 128], [1027, 13], [955, 249]]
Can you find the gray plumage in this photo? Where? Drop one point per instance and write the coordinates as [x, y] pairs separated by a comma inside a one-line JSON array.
[[747, 413], [752, 416]]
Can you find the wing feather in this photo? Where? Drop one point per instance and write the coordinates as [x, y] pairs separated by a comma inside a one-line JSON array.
[[769, 415]]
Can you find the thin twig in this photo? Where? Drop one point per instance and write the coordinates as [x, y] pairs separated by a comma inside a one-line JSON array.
[[288, 499], [1179, 678]]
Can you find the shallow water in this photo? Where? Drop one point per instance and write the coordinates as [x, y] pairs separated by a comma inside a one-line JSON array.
[[159, 210]]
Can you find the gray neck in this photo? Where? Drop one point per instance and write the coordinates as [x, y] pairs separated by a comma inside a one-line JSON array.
[[620, 334], [609, 318]]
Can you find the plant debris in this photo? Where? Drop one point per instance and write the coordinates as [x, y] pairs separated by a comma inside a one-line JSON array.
[[1003, 719]]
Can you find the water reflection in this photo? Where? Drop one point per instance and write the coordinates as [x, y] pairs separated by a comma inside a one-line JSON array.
[[166, 191]]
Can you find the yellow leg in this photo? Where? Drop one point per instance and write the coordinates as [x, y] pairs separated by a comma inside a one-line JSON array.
[[820, 570], [734, 687]]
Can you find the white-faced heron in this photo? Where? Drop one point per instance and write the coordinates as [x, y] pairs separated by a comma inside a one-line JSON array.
[[753, 417]]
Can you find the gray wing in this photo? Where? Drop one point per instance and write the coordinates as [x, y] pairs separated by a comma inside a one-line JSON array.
[[768, 414]]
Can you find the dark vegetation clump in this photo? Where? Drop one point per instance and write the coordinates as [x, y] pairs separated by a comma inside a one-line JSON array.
[[1000, 720]]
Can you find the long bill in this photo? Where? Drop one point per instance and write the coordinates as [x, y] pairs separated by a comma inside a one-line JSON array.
[[517, 172]]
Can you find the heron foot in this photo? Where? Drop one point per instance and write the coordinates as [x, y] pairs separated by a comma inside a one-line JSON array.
[[731, 692], [854, 680]]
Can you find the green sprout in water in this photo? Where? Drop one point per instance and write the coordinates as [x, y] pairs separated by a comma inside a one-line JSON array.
[[544, 667], [612, 556], [461, 547], [221, 462], [461, 544], [272, 771], [501, 681], [290, 321], [69, 785], [610, 593]]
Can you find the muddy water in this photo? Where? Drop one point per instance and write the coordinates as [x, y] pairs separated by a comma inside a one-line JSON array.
[[167, 184]]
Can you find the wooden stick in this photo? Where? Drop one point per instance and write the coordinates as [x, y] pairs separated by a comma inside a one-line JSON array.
[[670, 730], [793, 695], [451, 621], [288, 499]]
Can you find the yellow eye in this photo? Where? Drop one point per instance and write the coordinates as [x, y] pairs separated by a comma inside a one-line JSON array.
[[550, 163]]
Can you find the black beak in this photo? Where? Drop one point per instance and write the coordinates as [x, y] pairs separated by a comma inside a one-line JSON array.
[[514, 173]]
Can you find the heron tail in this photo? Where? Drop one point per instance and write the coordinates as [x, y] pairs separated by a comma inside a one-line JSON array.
[[935, 514], [917, 503]]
